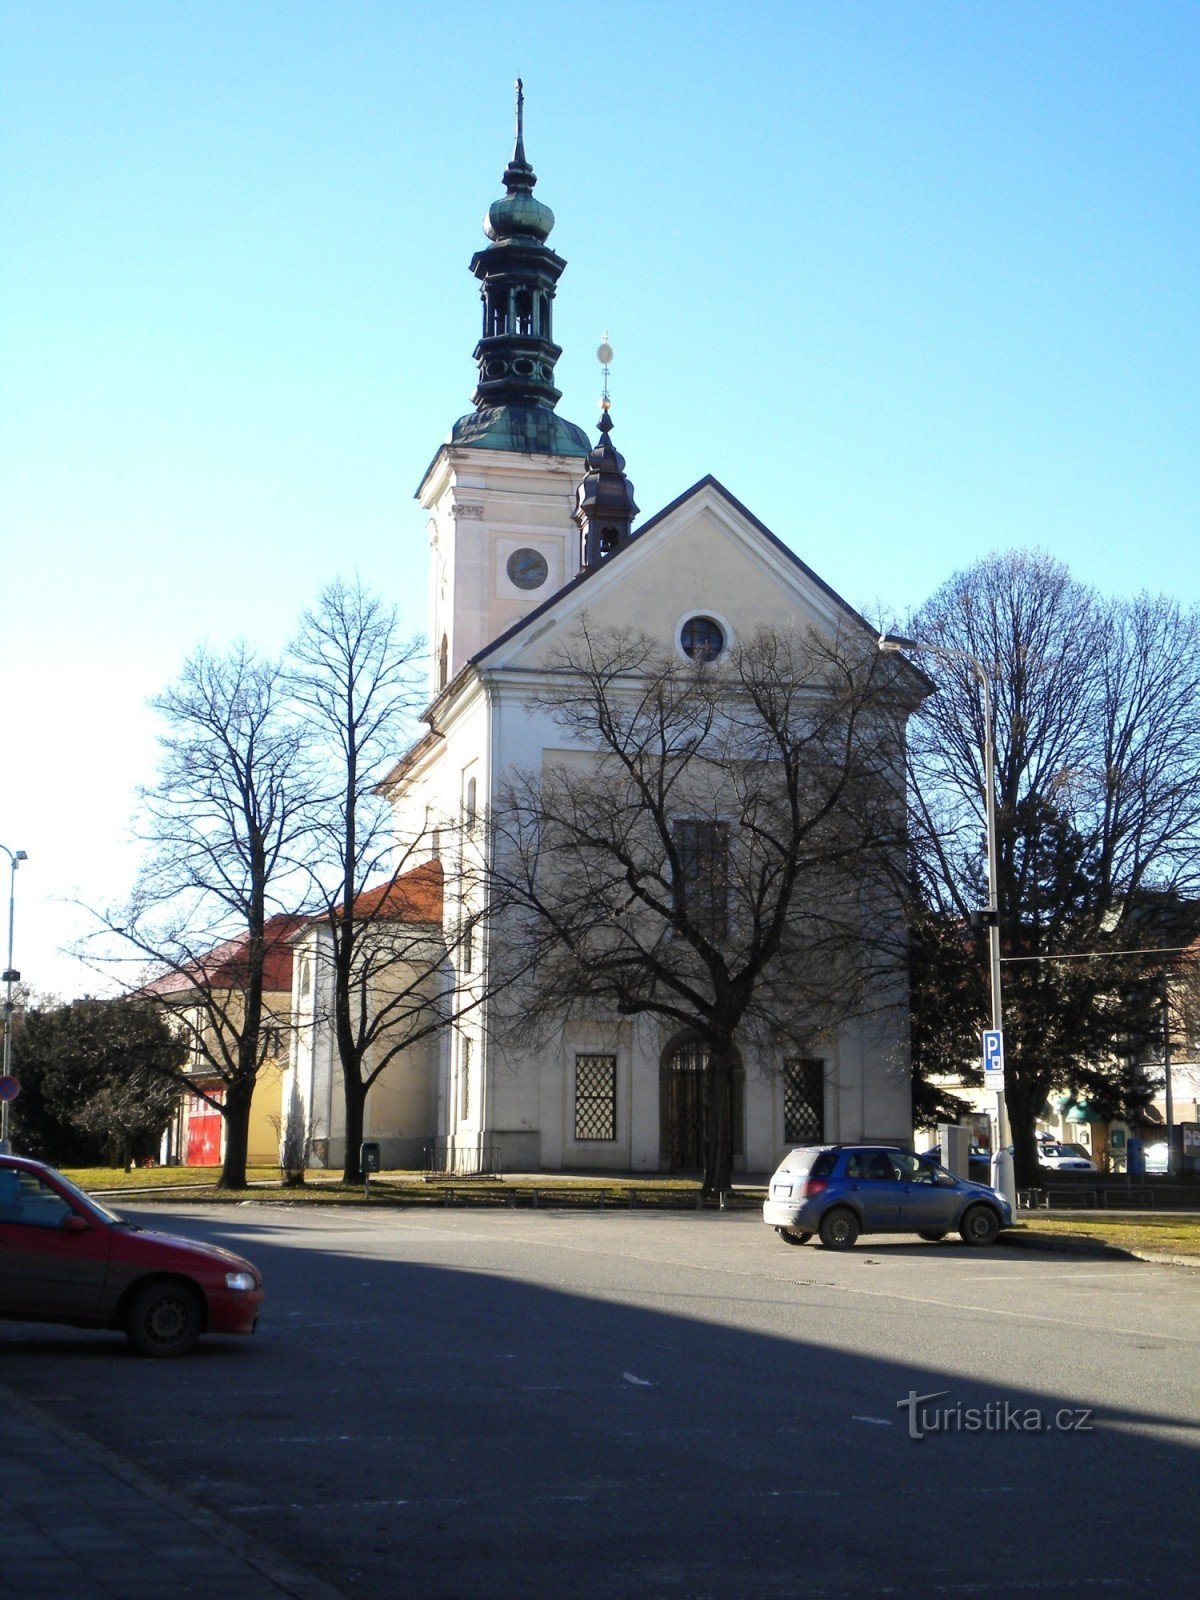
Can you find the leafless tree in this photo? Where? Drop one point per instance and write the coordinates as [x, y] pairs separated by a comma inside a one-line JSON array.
[[1098, 807], [390, 948], [215, 899], [720, 848]]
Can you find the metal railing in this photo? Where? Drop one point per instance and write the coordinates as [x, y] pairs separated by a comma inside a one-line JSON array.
[[444, 1158]]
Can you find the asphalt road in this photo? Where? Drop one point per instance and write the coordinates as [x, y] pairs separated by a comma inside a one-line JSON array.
[[501, 1404]]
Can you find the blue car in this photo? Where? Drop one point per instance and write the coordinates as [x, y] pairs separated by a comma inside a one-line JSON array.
[[838, 1191]]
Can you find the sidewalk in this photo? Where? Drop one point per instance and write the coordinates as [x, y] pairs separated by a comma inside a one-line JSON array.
[[79, 1523]]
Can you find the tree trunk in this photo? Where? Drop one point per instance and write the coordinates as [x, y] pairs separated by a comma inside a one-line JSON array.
[[356, 1100], [718, 1146], [236, 1111], [1023, 1103]]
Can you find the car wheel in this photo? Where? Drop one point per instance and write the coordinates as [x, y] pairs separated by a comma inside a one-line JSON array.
[[164, 1319], [980, 1225], [793, 1236], [932, 1235], [839, 1229]]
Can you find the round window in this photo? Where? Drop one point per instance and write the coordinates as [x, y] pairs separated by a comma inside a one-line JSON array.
[[527, 569], [702, 638]]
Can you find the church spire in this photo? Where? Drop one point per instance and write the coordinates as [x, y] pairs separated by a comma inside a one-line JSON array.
[[518, 272], [517, 276]]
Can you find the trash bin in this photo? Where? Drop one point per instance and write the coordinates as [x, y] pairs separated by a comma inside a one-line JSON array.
[[368, 1156]]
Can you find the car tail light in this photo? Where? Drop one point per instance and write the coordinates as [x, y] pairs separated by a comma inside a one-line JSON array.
[[815, 1186]]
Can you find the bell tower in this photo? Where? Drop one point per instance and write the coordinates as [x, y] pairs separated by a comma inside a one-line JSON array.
[[501, 490]]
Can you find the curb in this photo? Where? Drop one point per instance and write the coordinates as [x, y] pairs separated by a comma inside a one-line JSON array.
[[289, 1580]]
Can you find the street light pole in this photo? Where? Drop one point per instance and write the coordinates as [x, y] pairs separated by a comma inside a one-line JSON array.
[[893, 644], [10, 976]]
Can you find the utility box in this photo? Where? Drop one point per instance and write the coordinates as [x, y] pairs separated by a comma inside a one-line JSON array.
[[368, 1156], [955, 1143]]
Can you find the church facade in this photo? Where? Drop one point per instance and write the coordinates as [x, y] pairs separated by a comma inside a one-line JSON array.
[[531, 532]]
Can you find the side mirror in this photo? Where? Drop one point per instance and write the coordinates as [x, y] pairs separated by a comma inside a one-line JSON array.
[[74, 1223]]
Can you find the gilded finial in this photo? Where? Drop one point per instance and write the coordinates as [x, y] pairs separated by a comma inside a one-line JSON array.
[[604, 356]]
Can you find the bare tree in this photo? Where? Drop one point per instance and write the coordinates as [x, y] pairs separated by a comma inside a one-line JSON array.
[[386, 944], [214, 902], [721, 849], [1098, 810]]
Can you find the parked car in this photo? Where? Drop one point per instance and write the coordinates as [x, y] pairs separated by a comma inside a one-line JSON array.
[[1056, 1157], [66, 1258], [979, 1163], [840, 1191]]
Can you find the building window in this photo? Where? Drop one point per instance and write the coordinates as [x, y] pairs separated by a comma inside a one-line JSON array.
[[703, 851], [464, 1082], [702, 638], [803, 1102], [595, 1098], [470, 803], [443, 662], [469, 947]]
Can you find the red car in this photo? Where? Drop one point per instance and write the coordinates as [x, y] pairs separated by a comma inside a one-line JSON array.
[[64, 1258]]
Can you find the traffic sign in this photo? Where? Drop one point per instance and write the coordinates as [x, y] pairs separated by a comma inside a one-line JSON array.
[[9, 1089], [993, 1059]]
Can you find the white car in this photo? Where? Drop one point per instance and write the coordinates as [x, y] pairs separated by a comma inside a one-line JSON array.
[[1063, 1158]]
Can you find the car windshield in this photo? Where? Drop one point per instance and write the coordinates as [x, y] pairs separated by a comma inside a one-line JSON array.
[[86, 1201]]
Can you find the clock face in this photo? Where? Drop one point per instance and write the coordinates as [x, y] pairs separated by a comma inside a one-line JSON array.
[[527, 569]]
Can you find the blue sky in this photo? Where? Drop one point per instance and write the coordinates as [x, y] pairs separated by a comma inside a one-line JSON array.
[[915, 281]]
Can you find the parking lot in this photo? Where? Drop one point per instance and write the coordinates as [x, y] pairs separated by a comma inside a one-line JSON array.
[[460, 1402]]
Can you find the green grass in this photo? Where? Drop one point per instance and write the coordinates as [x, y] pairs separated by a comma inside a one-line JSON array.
[[1176, 1236], [173, 1184], [96, 1178]]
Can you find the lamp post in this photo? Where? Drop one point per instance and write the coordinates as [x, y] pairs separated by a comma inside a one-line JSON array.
[[893, 644], [10, 976]]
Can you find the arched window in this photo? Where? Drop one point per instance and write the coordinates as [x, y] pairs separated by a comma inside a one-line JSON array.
[[470, 805], [443, 662]]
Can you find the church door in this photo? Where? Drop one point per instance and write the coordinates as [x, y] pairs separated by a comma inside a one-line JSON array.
[[683, 1106]]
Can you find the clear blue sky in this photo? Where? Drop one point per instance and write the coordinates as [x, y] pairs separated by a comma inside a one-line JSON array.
[[916, 281]]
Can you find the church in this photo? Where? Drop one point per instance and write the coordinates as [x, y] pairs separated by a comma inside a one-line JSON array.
[[531, 532]]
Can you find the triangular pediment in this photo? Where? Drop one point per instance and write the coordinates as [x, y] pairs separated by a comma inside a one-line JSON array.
[[704, 554]]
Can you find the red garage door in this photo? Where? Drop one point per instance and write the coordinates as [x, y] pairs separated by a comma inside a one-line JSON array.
[[203, 1133]]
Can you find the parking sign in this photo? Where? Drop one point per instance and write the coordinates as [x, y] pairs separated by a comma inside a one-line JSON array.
[[993, 1059]]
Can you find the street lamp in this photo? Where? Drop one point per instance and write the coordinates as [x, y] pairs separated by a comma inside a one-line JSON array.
[[10, 976], [893, 644]]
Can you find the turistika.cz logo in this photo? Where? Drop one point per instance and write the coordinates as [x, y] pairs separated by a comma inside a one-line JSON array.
[[997, 1416]]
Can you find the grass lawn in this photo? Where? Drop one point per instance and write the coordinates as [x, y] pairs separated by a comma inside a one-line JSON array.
[[1168, 1235], [323, 1188]]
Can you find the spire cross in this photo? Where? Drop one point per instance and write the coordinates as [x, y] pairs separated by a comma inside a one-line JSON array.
[[519, 151]]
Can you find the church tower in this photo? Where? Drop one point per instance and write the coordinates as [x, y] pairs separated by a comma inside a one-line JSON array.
[[501, 489]]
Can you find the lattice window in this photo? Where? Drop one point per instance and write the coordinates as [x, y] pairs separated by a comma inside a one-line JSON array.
[[803, 1102], [595, 1097]]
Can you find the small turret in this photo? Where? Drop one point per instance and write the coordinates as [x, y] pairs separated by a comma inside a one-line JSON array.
[[604, 503]]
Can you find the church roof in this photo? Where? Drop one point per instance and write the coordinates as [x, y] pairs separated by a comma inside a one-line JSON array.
[[412, 896]]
